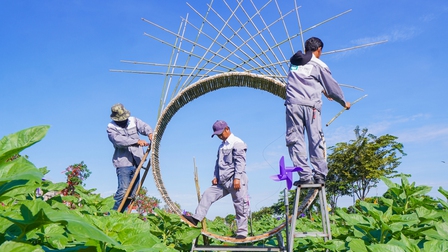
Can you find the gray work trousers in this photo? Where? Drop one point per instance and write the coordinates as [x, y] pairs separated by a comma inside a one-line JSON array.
[[299, 119], [240, 202]]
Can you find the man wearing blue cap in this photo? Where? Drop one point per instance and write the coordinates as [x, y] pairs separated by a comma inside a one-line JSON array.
[[229, 178], [309, 78]]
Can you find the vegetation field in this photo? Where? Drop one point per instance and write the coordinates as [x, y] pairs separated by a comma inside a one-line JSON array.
[[39, 215]]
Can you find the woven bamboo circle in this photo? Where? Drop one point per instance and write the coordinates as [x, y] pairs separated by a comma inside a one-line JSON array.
[[202, 87]]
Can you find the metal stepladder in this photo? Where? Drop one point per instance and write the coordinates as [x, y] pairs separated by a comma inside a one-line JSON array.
[[326, 233], [141, 181]]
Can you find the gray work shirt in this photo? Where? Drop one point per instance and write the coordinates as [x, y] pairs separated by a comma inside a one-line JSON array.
[[231, 159], [306, 82], [127, 151]]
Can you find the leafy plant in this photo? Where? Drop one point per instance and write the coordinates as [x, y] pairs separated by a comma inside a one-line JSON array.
[[76, 174], [144, 203], [33, 222], [403, 219]]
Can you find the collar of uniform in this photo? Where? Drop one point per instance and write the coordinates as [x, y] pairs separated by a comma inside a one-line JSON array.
[[319, 61], [228, 140]]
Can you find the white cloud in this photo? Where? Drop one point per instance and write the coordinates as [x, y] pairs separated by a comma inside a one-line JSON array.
[[403, 33], [424, 134]]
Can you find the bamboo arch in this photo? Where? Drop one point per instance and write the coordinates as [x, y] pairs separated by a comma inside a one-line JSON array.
[[202, 87]]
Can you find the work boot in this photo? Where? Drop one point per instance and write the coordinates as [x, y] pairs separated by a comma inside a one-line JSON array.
[[319, 179], [190, 219], [303, 182]]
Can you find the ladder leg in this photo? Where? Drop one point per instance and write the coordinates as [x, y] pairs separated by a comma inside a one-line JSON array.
[[281, 244], [292, 230], [314, 189], [323, 209], [327, 218]]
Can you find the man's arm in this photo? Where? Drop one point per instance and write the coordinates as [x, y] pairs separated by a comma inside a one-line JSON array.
[[332, 90], [144, 128], [239, 160], [120, 140]]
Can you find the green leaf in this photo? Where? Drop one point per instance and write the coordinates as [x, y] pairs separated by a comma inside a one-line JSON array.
[[29, 221], [385, 248], [435, 245], [357, 245], [404, 242], [351, 219], [443, 203], [389, 182], [443, 192], [187, 235], [14, 143], [37, 213], [440, 232], [427, 214], [141, 240], [19, 246]]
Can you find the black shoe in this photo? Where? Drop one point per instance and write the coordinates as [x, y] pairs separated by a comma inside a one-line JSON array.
[[240, 237], [319, 179], [303, 182], [190, 219]]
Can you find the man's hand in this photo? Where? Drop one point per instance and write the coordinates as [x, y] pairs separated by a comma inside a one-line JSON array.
[[236, 184], [214, 181], [142, 143], [150, 137], [347, 105]]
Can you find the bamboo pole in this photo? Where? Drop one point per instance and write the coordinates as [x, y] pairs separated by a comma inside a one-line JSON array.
[[137, 172]]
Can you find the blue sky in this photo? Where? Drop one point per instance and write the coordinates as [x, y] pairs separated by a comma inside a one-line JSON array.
[[56, 57]]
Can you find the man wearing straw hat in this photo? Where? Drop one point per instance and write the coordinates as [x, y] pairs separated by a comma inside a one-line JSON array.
[[123, 131], [229, 178], [308, 78]]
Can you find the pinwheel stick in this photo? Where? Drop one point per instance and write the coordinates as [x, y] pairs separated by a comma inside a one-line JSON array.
[[340, 112]]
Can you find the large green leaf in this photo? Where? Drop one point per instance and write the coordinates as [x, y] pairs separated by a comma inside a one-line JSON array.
[[352, 219], [141, 240], [385, 248], [37, 213], [187, 235], [443, 192], [19, 168], [357, 245], [55, 235], [435, 245], [19, 246], [17, 173], [404, 242], [440, 232], [14, 143]]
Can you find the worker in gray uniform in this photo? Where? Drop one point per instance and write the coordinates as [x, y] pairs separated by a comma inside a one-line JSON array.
[[309, 78], [123, 132], [229, 178]]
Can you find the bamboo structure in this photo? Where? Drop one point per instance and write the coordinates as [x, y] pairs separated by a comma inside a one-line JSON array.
[[248, 48]]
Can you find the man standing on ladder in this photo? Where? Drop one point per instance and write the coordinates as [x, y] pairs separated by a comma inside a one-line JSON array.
[[308, 78], [123, 131]]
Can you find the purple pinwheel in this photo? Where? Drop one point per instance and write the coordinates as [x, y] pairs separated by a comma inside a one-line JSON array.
[[285, 173]]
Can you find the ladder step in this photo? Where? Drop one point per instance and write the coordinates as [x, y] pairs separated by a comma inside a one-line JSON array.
[[235, 248], [311, 185], [307, 234]]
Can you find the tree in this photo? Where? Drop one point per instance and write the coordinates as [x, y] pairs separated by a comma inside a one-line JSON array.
[[357, 166]]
